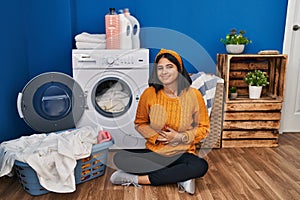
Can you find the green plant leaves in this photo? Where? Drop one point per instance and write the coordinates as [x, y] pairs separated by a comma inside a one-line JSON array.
[[256, 78], [233, 89], [235, 38]]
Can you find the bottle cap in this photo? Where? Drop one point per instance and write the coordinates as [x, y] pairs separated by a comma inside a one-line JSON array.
[[112, 11]]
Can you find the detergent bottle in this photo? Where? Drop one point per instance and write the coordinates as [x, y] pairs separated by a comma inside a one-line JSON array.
[[125, 32], [112, 29], [136, 29]]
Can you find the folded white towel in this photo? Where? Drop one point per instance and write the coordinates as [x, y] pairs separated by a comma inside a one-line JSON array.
[[90, 45], [87, 37]]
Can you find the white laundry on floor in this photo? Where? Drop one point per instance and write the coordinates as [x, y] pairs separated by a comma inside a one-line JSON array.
[[52, 156]]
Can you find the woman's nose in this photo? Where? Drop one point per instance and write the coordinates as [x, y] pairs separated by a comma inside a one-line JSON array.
[[164, 70]]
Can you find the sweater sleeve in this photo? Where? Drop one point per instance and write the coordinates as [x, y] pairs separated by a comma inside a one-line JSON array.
[[142, 120], [201, 121]]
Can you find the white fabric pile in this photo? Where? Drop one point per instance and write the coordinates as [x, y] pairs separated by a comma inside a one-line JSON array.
[[86, 40], [115, 99], [206, 84], [53, 156]]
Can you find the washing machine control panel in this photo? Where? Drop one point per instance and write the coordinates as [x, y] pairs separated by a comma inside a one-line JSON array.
[[124, 60], [110, 58]]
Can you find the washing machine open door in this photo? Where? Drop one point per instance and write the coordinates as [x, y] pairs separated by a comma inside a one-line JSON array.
[[50, 102]]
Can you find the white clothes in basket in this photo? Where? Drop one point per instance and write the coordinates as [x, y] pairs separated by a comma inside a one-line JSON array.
[[53, 156]]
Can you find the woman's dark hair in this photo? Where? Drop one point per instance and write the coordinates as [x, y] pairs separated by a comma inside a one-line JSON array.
[[184, 80]]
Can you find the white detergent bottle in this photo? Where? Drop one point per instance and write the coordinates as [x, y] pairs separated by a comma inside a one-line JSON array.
[[125, 32], [135, 29]]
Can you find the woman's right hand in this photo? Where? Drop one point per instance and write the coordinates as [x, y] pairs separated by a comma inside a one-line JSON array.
[[162, 139]]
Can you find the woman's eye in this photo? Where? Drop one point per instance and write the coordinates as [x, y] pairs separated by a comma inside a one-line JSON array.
[[169, 66]]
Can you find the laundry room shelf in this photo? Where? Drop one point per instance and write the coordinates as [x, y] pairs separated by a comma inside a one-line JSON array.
[[252, 122]]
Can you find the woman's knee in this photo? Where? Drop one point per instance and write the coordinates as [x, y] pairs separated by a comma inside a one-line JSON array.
[[204, 167], [200, 167], [119, 157]]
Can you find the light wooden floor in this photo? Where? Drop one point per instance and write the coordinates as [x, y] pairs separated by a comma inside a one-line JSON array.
[[235, 173]]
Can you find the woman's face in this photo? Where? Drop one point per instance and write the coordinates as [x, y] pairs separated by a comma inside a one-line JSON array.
[[167, 72]]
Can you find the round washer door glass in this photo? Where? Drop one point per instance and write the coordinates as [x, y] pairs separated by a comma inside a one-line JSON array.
[[52, 101], [113, 97]]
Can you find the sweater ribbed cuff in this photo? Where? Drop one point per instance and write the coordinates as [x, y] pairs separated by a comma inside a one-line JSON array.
[[185, 138]]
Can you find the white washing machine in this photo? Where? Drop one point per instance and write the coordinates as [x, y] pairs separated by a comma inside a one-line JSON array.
[[112, 82], [104, 92]]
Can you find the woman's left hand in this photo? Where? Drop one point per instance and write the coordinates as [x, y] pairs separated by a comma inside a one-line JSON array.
[[172, 136]]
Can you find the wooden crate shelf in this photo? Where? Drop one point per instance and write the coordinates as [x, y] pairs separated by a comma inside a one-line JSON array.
[[233, 68], [252, 122]]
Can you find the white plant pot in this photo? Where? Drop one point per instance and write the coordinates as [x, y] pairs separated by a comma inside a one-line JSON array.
[[254, 92], [235, 48], [233, 95]]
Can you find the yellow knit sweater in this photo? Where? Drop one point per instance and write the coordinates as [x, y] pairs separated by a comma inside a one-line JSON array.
[[186, 114]]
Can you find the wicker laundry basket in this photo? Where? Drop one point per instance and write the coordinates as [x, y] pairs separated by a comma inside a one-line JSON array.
[[85, 170], [214, 138]]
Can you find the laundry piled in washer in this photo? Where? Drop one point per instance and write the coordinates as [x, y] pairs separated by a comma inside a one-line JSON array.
[[53, 156], [86, 40], [115, 99]]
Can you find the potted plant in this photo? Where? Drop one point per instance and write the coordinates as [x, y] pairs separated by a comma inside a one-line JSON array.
[[256, 80], [235, 41], [233, 92]]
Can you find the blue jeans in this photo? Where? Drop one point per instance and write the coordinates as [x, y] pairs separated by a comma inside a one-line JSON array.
[[161, 169]]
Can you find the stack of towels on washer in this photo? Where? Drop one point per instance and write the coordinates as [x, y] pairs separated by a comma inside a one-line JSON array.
[[86, 40]]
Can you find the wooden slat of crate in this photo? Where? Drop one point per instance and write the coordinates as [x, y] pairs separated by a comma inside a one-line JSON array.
[[249, 66], [244, 91], [222, 61], [273, 79], [251, 125], [240, 106], [237, 74], [239, 83], [250, 138], [281, 86], [252, 116], [250, 134], [250, 143]]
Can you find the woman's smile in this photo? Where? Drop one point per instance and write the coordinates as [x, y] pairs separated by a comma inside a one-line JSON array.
[[165, 77]]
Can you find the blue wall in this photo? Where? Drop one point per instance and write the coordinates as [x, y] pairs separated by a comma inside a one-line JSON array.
[[37, 36]]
